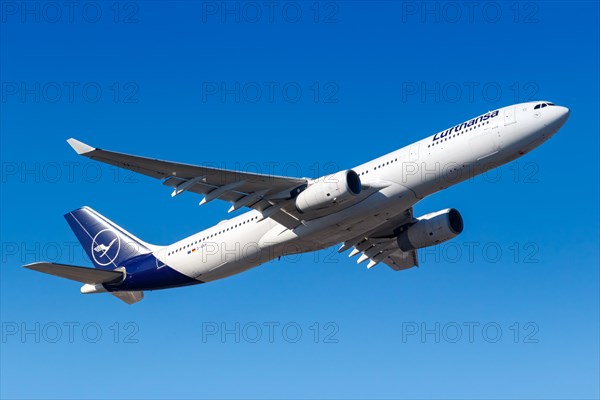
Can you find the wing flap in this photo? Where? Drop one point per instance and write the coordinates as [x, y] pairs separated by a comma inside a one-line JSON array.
[[400, 260], [379, 245]]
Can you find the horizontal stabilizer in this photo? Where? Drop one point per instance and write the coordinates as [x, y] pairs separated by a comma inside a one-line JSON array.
[[80, 274]]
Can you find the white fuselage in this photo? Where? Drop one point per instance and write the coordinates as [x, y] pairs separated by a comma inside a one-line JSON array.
[[392, 184]]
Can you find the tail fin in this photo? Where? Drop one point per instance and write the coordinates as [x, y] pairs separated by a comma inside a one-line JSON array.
[[107, 245]]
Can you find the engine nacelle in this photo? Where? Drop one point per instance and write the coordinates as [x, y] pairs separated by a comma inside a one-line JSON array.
[[331, 190], [431, 229]]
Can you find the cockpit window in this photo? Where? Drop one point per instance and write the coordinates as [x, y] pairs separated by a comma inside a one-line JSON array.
[[542, 105]]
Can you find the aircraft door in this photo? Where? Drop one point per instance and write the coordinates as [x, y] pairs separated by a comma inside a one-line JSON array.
[[413, 153], [510, 115], [497, 135]]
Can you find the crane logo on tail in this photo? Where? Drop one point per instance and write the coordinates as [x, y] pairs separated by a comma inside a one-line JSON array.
[[105, 247]]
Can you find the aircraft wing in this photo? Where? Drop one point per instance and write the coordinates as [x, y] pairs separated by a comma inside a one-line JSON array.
[[268, 194], [379, 245]]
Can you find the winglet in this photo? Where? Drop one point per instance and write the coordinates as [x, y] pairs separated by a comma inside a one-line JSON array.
[[80, 147]]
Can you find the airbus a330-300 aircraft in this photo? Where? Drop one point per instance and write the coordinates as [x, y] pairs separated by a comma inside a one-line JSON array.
[[368, 208]]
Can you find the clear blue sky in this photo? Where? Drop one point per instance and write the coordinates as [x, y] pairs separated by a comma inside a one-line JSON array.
[[508, 309]]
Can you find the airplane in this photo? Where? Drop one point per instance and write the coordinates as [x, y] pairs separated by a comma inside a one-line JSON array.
[[368, 209]]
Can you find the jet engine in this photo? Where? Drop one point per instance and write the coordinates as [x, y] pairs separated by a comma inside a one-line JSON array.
[[431, 229], [331, 190]]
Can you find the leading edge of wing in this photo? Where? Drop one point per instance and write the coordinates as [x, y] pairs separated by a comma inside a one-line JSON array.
[[144, 165]]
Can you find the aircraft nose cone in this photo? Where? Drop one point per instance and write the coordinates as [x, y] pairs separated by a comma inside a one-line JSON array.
[[556, 116], [564, 113]]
